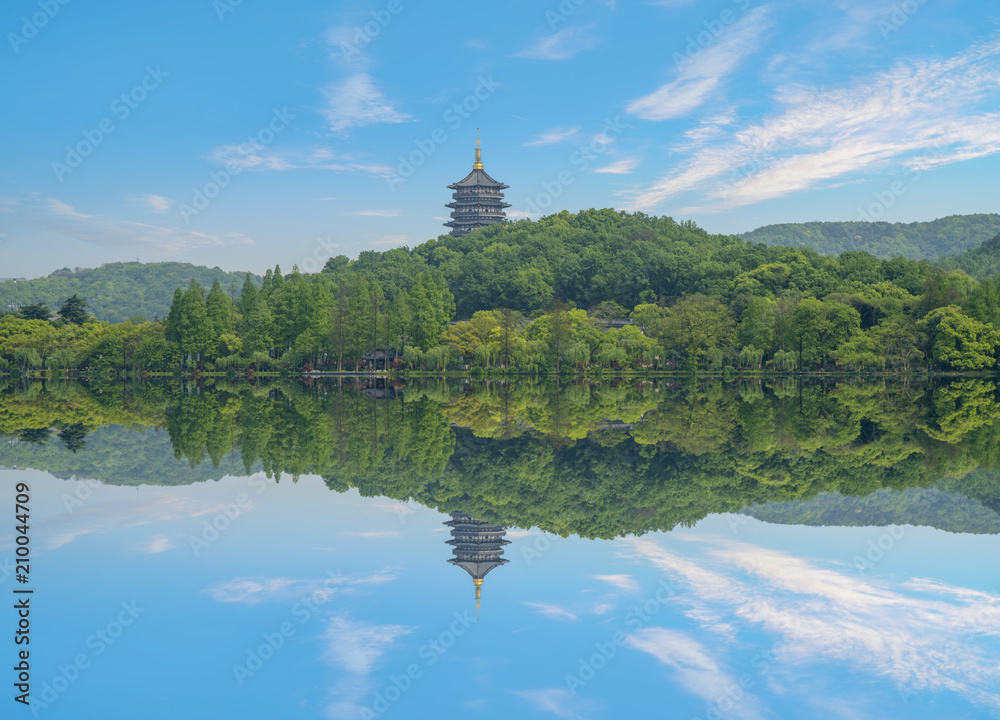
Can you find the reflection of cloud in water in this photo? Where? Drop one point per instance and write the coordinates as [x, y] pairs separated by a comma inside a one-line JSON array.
[[625, 583], [119, 509], [256, 590], [553, 612], [558, 701], [917, 634], [697, 671], [355, 646]]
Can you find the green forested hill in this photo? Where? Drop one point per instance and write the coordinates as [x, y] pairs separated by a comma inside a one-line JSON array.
[[918, 241], [117, 291], [948, 510], [980, 262]]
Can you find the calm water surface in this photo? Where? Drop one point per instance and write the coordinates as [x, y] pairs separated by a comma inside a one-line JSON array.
[[649, 565]]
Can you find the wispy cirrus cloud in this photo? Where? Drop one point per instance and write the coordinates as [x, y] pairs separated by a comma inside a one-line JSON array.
[[156, 203], [697, 671], [892, 630], [620, 167], [559, 702], [356, 102], [553, 136], [554, 612], [257, 590], [355, 647], [560, 46], [315, 158], [625, 583], [700, 75], [63, 220], [916, 115]]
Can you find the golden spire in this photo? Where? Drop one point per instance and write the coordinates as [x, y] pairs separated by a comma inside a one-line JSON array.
[[478, 582], [478, 165]]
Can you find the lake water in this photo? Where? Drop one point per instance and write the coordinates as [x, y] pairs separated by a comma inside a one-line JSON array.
[[743, 550]]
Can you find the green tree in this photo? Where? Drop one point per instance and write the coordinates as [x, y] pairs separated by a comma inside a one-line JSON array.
[[959, 341], [696, 326], [35, 311], [74, 310]]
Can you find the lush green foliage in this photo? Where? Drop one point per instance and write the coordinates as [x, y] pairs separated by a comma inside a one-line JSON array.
[[117, 291], [979, 262], [598, 459], [918, 240], [694, 301]]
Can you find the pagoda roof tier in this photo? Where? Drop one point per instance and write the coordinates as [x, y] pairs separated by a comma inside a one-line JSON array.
[[464, 203], [478, 570], [478, 178]]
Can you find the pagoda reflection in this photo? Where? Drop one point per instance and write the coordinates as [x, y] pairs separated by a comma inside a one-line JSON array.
[[477, 547]]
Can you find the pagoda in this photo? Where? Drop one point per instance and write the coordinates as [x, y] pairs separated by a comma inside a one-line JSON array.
[[478, 199], [477, 546]]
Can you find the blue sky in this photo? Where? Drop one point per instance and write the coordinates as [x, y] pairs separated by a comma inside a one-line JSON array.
[[244, 134], [783, 610]]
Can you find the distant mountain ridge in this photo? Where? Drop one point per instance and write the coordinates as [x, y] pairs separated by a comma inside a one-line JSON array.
[[980, 262], [118, 291], [918, 241], [945, 508]]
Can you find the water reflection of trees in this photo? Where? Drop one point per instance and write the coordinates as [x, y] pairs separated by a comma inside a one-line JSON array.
[[599, 459]]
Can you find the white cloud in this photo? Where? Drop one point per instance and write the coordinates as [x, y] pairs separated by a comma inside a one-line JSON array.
[[560, 46], [894, 631], [702, 73], [697, 672], [316, 158], [356, 102], [355, 645], [158, 544], [156, 203], [553, 612], [256, 590], [63, 220], [559, 702], [553, 136], [378, 213], [626, 583], [620, 167], [914, 116]]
